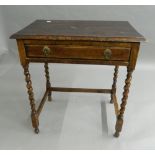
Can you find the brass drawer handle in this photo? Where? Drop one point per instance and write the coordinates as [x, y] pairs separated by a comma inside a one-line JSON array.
[[107, 54], [46, 51]]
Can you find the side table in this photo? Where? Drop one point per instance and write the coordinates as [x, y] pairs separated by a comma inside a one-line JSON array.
[[79, 42]]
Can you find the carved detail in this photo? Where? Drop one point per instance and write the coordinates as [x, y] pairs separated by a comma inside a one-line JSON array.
[[48, 84], [119, 122], [114, 82], [34, 115]]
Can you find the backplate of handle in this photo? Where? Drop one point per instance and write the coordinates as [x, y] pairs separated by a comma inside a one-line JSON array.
[[107, 54], [46, 51]]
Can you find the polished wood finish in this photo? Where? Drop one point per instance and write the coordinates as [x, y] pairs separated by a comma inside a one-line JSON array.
[[77, 43], [80, 30], [22, 53], [114, 43], [78, 52]]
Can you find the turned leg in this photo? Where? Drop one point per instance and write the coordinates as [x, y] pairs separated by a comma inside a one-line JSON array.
[[48, 84], [34, 115], [114, 83], [119, 121]]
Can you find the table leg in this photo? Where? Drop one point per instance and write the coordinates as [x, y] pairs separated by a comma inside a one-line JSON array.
[[114, 83], [48, 84], [119, 121], [34, 115]]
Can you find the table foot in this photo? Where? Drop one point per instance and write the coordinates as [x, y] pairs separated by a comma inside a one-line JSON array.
[[116, 134], [36, 130], [118, 126]]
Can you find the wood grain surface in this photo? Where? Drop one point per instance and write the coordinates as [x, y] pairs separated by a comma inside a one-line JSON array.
[[80, 30]]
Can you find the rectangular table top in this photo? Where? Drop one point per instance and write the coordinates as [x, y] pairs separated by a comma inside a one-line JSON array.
[[120, 31]]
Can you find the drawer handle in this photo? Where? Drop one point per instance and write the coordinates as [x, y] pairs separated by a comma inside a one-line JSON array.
[[46, 51], [107, 54]]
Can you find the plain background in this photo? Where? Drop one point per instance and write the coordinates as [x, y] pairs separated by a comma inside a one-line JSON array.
[[76, 121]]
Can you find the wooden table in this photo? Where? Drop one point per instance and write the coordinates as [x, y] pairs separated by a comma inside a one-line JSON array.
[[79, 42]]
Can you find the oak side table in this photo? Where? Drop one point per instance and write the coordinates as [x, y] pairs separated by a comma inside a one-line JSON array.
[[79, 42]]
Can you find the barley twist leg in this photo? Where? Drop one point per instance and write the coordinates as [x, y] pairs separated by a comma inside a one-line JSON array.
[[34, 115], [48, 84], [119, 121], [114, 83]]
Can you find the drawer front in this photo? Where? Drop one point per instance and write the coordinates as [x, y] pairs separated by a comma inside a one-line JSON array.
[[78, 52]]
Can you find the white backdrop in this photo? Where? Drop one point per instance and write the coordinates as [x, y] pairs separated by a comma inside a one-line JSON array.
[[58, 125]]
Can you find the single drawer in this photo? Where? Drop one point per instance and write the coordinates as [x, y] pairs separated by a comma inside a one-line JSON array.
[[78, 52]]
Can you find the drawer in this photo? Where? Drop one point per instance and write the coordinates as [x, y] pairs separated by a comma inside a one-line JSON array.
[[78, 52]]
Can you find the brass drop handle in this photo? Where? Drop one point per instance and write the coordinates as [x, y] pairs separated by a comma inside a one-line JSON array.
[[46, 51], [107, 54]]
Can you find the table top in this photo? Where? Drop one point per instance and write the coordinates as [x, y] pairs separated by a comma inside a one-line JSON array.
[[120, 31]]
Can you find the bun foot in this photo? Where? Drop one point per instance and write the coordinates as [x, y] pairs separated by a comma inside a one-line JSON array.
[[36, 130], [116, 134]]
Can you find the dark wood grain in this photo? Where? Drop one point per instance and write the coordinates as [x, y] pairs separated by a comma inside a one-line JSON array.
[[48, 84], [114, 83], [79, 42], [119, 122], [34, 115], [80, 30], [83, 52]]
